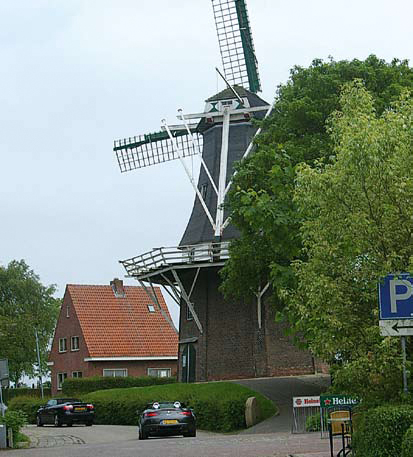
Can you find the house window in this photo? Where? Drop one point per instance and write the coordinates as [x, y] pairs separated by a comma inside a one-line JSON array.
[[60, 378], [67, 310], [74, 343], [120, 372], [77, 374], [151, 308], [159, 372], [189, 315], [62, 344]]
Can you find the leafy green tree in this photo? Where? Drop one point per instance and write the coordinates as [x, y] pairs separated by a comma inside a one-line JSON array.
[[261, 198], [27, 306], [357, 227]]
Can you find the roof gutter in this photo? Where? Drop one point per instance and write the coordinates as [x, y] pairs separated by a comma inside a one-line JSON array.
[[125, 359]]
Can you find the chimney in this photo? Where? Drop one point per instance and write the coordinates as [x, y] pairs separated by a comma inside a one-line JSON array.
[[117, 287]]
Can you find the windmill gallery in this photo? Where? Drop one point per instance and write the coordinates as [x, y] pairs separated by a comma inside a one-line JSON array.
[[218, 338]]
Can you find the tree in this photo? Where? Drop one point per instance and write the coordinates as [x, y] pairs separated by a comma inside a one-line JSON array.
[[261, 199], [357, 227], [26, 306]]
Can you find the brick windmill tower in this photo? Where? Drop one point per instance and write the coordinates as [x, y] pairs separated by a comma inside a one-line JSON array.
[[218, 338]]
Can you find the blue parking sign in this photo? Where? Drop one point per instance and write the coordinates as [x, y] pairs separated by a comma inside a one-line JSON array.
[[396, 297]]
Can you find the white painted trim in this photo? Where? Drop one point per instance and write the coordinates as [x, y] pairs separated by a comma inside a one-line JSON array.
[[125, 359]]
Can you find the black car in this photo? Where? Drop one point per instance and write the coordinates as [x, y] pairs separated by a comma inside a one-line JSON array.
[[59, 411], [166, 418]]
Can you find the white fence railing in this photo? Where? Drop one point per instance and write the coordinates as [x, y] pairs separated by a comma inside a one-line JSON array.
[[168, 256]]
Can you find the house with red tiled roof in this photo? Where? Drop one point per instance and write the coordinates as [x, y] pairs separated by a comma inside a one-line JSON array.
[[112, 330]]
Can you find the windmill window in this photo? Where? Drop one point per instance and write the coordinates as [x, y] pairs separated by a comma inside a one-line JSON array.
[[203, 190], [151, 308], [189, 315]]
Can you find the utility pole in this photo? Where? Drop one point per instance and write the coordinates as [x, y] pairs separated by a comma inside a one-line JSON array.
[[38, 362]]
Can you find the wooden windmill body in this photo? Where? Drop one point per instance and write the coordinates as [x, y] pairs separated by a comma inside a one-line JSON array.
[[218, 338]]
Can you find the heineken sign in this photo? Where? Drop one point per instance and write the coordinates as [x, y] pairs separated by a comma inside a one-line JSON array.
[[328, 401]]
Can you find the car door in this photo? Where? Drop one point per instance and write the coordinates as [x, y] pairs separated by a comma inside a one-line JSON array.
[[48, 412]]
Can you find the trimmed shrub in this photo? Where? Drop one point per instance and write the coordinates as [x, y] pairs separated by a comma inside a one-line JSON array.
[[218, 406], [8, 394], [380, 431], [407, 444], [14, 420], [29, 406], [79, 386]]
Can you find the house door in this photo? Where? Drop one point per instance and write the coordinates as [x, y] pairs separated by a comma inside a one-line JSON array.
[[188, 363]]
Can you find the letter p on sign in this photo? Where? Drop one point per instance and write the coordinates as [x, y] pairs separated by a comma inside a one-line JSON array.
[[405, 294]]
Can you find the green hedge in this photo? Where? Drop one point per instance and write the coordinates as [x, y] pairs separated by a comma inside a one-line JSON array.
[[380, 431], [407, 444], [29, 405], [218, 406], [79, 386], [8, 394]]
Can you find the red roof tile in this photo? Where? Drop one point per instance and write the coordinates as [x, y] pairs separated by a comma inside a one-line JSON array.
[[122, 327]]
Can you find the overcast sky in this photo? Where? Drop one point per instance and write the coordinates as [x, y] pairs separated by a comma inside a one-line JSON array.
[[77, 74]]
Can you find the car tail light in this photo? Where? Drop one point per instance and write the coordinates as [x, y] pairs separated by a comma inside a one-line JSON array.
[[68, 407], [90, 406], [151, 414], [186, 413]]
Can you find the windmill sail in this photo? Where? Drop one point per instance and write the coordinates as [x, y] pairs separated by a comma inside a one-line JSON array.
[[235, 43], [153, 148]]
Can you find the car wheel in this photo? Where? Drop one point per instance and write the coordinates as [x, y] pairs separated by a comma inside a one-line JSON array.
[[69, 424], [39, 422], [57, 421], [190, 434], [142, 434], [89, 424]]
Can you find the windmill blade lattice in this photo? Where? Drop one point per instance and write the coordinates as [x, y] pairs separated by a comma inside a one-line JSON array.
[[146, 150], [235, 43]]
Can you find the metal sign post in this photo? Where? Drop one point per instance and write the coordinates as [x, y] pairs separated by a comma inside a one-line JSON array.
[[4, 380], [396, 311]]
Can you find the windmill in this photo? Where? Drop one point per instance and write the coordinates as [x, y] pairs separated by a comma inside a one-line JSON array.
[[211, 328]]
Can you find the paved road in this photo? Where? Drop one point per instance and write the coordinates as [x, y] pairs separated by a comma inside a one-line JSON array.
[[271, 438], [281, 391], [121, 441]]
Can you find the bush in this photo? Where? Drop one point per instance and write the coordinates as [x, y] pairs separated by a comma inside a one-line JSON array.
[[28, 405], [79, 386], [8, 394], [407, 444], [14, 420], [218, 406], [380, 431]]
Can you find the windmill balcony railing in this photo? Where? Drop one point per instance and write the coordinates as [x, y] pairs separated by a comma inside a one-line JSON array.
[[167, 256]]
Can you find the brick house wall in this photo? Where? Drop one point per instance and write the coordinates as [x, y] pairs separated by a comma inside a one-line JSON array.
[[134, 368], [232, 346], [69, 361]]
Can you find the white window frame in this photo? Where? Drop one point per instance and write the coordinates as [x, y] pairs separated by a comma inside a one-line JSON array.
[[151, 308], [60, 379], [125, 370], [77, 374], [61, 340], [168, 370], [72, 348]]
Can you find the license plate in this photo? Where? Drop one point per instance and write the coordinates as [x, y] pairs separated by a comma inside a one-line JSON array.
[[169, 422], [80, 409]]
